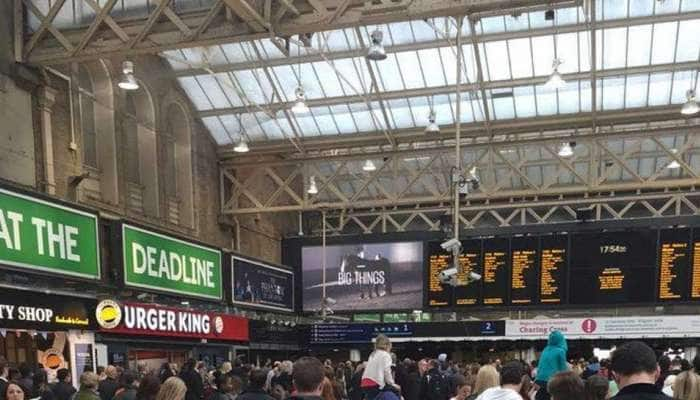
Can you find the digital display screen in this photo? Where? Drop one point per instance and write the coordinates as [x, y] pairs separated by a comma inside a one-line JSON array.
[[257, 284], [465, 293], [468, 293], [525, 270], [613, 267], [553, 269], [695, 276], [366, 276], [438, 295], [674, 264], [495, 277]]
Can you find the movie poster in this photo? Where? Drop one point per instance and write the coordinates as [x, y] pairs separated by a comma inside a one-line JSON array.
[[378, 276], [260, 285]]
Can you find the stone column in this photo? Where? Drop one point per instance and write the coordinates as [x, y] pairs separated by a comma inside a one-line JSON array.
[[47, 98]]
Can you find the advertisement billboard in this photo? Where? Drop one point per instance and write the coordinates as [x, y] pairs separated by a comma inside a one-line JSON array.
[[376, 276], [256, 284]]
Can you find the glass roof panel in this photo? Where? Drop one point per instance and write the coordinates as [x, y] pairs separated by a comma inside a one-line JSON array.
[[640, 8], [681, 84], [491, 24], [614, 47], [348, 69], [410, 69], [584, 45], [328, 79], [688, 47], [525, 101], [667, 7], [519, 23], [234, 53], [614, 9], [639, 47], [636, 95], [664, 43], [400, 33], [194, 92], [613, 93], [567, 51], [496, 58], [432, 67], [520, 57], [502, 107], [585, 93], [690, 5], [401, 113], [569, 98], [543, 54], [213, 91], [216, 130], [659, 89], [546, 100], [268, 50]]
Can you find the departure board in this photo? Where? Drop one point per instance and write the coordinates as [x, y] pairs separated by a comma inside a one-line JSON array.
[[613, 267], [468, 293], [695, 271], [524, 270], [437, 294], [553, 269], [495, 277], [674, 262]]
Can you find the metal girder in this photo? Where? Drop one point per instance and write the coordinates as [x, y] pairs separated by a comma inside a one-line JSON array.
[[530, 212], [504, 177], [166, 35], [559, 126], [467, 87], [442, 43]]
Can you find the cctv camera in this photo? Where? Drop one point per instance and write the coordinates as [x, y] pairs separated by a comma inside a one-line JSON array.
[[451, 245], [330, 301], [448, 277], [473, 277]]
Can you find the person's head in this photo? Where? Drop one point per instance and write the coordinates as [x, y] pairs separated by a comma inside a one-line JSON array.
[[685, 365], [257, 379], [308, 375], [100, 370], [40, 379], [4, 369], [593, 360], [236, 385], [172, 389], [596, 388], [25, 370], [512, 375], [462, 388], [89, 381], [634, 362], [566, 386], [604, 370], [13, 391], [382, 343], [556, 339], [111, 372], [223, 383], [696, 364], [226, 367], [423, 366], [189, 365], [14, 374], [127, 379], [432, 364], [664, 363], [148, 388], [63, 375], [687, 386], [676, 364], [486, 378]]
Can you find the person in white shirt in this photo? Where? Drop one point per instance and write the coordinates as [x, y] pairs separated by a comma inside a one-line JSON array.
[[511, 383], [377, 375]]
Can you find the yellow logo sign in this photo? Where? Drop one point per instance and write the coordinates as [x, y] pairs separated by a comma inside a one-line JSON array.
[[108, 314]]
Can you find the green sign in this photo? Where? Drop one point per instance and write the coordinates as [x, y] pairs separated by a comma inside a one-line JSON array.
[[40, 235], [159, 262]]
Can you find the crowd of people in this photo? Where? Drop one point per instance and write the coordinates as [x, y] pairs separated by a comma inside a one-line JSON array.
[[633, 372]]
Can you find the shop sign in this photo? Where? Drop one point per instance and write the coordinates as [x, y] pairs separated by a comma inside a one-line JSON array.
[[154, 320], [606, 328], [42, 312], [162, 263], [40, 235]]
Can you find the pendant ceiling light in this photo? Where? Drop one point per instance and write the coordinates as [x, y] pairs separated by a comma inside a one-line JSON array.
[[691, 105], [376, 50], [313, 189], [128, 81], [300, 106], [555, 80], [432, 126], [566, 149], [369, 166], [241, 146]]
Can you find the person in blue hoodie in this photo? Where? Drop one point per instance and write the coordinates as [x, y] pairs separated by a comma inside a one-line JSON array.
[[552, 361]]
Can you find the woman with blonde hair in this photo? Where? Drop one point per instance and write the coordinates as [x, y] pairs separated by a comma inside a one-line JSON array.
[[487, 377], [687, 386], [377, 375], [172, 389]]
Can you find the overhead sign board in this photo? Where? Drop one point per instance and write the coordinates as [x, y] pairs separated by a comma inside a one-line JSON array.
[[606, 328], [260, 285], [163, 263], [155, 320], [40, 235], [44, 312]]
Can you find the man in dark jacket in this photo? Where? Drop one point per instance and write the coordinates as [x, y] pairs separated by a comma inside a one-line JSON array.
[[109, 386], [193, 381], [255, 389], [63, 388], [434, 384], [127, 389], [635, 370], [307, 375]]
